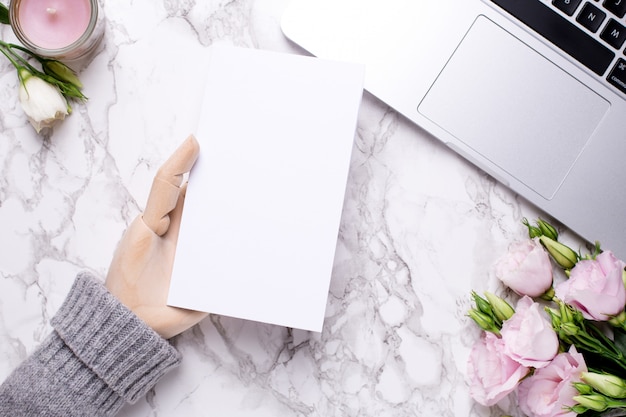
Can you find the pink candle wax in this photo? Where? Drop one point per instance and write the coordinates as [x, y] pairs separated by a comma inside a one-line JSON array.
[[54, 24]]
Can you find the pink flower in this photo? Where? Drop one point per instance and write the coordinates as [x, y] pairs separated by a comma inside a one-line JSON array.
[[526, 268], [550, 390], [528, 335], [493, 374], [595, 287]]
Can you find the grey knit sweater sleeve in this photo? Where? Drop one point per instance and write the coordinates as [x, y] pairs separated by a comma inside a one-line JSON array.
[[99, 356]]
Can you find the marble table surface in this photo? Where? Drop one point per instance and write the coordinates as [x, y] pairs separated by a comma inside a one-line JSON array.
[[421, 228]]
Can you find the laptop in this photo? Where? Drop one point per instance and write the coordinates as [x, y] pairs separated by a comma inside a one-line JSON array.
[[531, 91]]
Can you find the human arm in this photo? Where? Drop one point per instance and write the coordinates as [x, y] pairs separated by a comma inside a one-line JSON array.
[[106, 347], [99, 356]]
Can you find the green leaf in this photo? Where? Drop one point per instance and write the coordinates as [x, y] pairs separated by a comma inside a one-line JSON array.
[[4, 14]]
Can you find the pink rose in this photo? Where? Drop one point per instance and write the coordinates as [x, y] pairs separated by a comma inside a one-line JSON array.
[[550, 390], [595, 287], [528, 335], [526, 268], [493, 374]]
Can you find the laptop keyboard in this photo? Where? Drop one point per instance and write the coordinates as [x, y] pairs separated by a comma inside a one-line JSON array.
[[593, 32]]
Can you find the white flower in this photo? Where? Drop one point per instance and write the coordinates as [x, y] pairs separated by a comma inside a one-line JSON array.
[[42, 102]]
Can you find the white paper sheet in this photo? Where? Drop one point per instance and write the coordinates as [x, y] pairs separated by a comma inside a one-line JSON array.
[[264, 200]]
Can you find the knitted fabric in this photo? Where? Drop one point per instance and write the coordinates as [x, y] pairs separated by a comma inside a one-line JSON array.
[[99, 356]]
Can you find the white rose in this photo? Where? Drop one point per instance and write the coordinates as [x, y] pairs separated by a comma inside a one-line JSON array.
[[42, 102]]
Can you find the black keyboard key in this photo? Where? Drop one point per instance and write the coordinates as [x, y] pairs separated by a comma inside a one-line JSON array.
[[614, 34], [561, 32], [617, 7], [617, 76], [591, 17], [567, 6]]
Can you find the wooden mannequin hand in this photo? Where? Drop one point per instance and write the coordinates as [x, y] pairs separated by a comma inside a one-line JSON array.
[[139, 275]]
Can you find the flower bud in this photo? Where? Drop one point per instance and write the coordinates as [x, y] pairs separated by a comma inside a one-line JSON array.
[[42, 102], [61, 72], [578, 409], [570, 329], [484, 321], [482, 304], [562, 255], [555, 317], [547, 229], [567, 313], [607, 384], [500, 307], [533, 231], [595, 402], [582, 388]]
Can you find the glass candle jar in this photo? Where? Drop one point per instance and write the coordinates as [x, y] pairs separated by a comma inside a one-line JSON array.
[[67, 30]]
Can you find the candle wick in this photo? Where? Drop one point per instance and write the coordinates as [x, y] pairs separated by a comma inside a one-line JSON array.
[[51, 10]]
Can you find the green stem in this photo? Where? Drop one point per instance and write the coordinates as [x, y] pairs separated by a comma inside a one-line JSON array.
[[614, 403], [29, 52], [599, 335], [6, 50], [19, 62], [600, 344]]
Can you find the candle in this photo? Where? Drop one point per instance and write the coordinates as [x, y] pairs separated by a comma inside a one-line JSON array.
[[68, 30]]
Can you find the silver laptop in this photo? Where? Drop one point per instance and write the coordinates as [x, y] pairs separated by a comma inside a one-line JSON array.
[[531, 91]]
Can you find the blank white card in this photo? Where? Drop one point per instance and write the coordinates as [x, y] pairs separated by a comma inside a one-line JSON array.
[[264, 200]]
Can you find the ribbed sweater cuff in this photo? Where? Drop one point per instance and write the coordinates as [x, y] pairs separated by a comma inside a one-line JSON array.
[[112, 341]]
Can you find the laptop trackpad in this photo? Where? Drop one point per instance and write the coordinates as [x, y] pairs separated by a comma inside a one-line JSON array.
[[514, 107]]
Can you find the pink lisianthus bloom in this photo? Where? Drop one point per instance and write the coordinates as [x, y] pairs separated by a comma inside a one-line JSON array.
[[528, 335], [549, 391], [595, 287], [526, 268], [493, 374]]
